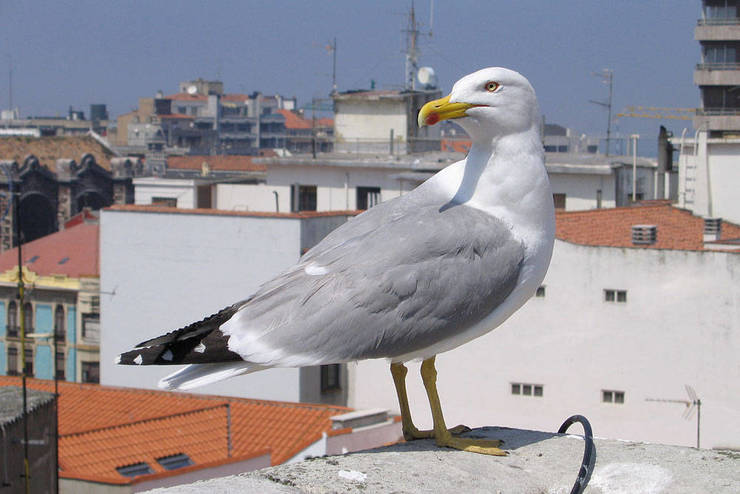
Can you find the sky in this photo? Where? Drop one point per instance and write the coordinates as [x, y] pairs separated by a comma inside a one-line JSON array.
[[80, 52]]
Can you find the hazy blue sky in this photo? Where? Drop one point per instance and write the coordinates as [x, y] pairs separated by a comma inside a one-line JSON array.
[[80, 52]]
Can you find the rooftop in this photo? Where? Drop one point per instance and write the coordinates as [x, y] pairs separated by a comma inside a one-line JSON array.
[[222, 212], [11, 402], [49, 149], [72, 252], [677, 228], [104, 427], [230, 163]]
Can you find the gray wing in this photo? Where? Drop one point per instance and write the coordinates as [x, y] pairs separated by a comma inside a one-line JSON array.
[[383, 288]]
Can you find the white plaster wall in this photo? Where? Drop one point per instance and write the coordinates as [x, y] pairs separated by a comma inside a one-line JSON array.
[[182, 190], [368, 120], [724, 178], [336, 188], [580, 190], [680, 325], [162, 271]]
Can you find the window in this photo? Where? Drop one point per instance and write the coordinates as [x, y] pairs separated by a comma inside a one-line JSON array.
[[28, 317], [559, 200], [330, 378], [60, 360], [12, 361], [29, 362], [527, 389], [619, 296], [59, 326], [302, 198], [135, 470], [175, 461], [540, 291], [12, 320], [167, 202], [91, 372], [610, 396], [91, 327], [598, 199], [367, 197]]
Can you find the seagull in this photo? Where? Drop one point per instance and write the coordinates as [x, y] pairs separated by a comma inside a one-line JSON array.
[[408, 279]]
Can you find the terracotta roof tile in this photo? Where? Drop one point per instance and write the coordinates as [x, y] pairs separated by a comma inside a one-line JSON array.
[[49, 149], [235, 97], [676, 228], [104, 427], [187, 97], [293, 121], [216, 163], [73, 252]]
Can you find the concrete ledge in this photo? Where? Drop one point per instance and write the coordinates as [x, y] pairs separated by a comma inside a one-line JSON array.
[[538, 462]]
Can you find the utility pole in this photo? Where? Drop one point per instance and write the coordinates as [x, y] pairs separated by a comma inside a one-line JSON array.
[[21, 287], [412, 47], [607, 77], [634, 138]]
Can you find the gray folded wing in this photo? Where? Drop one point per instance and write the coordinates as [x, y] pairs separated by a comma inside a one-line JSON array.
[[390, 285]]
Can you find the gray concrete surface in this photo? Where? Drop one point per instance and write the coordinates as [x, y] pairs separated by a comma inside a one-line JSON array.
[[538, 462]]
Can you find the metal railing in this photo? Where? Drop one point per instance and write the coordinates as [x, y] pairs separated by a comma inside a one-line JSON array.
[[713, 112], [718, 21], [718, 66]]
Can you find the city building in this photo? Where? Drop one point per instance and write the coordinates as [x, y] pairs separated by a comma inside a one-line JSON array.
[[74, 124], [383, 122], [53, 186], [638, 303], [559, 139], [709, 172], [127, 440], [162, 268], [61, 305]]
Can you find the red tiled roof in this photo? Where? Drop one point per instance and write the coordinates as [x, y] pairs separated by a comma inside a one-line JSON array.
[[293, 121], [216, 163], [325, 122], [49, 149], [176, 116], [676, 228], [104, 427], [235, 97], [456, 145], [73, 252], [186, 97]]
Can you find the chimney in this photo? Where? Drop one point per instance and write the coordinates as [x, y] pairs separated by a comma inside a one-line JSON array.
[[644, 234], [712, 229]]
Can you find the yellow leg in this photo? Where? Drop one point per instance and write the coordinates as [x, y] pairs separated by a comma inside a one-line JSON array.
[[441, 434], [410, 432]]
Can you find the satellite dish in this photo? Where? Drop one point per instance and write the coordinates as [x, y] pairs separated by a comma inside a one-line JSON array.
[[192, 89], [427, 77]]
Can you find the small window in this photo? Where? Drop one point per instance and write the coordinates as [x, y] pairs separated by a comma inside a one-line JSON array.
[[60, 360], [29, 362], [91, 372], [91, 327], [526, 389], [28, 317], [175, 461], [302, 198], [611, 295], [165, 202], [59, 326], [330, 378], [12, 361], [559, 201], [135, 470], [540, 291], [367, 197], [12, 320], [611, 396]]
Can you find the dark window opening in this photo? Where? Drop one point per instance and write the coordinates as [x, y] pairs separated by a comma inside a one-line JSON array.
[[28, 317], [12, 361], [302, 198], [610, 396], [175, 461], [59, 362], [367, 197], [12, 320], [91, 372], [91, 327], [59, 326], [615, 295], [559, 201], [540, 291], [330, 378], [135, 470], [527, 389], [166, 202], [29, 362]]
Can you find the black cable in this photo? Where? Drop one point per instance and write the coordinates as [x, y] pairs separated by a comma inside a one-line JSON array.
[[584, 473]]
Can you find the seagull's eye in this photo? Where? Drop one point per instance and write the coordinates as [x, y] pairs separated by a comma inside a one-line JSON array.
[[491, 86]]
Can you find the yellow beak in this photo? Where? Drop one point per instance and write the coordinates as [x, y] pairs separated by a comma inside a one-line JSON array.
[[441, 109]]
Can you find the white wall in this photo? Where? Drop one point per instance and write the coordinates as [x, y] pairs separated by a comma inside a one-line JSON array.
[[366, 120], [162, 271], [336, 187], [680, 325], [183, 190], [580, 190]]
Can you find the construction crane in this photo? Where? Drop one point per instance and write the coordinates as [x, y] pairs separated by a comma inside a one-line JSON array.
[[658, 113]]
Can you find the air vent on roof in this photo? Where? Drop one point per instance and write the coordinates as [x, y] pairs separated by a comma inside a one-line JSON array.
[[644, 234], [135, 470], [712, 229]]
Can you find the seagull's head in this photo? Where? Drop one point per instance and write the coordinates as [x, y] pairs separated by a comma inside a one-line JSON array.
[[488, 103]]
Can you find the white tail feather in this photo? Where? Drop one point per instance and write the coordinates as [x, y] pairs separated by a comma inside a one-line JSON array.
[[195, 375]]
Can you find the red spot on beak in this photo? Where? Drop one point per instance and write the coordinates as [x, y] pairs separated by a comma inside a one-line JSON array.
[[432, 118]]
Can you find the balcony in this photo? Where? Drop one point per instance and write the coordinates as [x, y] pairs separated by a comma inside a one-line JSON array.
[[717, 29], [718, 119], [717, 74]]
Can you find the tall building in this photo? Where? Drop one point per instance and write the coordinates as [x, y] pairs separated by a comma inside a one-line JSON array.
[[709, 172]]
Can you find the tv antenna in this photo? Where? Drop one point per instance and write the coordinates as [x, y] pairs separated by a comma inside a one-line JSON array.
[[693, 403], [607, 77], [412, 45]]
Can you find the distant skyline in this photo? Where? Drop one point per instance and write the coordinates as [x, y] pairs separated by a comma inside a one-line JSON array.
[[77, 53]]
